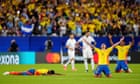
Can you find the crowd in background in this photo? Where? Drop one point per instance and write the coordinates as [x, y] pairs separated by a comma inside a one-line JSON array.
[[62, 17]]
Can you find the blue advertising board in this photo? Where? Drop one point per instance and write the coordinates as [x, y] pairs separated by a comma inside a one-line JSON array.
[[17, 58], [36, 44]]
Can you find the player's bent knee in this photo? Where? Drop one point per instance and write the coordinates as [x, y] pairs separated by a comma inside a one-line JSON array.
[[109, 75], [117, 71], [97, 75]]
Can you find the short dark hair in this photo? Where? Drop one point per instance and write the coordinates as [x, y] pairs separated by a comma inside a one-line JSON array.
[[51, 72]]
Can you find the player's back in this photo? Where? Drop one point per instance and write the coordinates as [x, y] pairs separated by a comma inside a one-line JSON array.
[[41, 71]]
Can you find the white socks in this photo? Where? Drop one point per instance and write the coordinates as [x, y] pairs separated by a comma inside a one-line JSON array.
[[86, 63], [92, 64], [72, 63], [67, 63]]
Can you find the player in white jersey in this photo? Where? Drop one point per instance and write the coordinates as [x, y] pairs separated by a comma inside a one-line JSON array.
[[71, 44], [87, 41]]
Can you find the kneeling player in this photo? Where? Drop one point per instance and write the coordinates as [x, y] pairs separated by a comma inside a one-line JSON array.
[[122, 55], [103, 61]]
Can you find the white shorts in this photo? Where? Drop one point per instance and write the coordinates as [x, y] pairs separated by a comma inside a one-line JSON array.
[[87, 53], [71, 54]]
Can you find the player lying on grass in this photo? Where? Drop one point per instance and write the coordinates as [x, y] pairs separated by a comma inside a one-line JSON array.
[[103, 60], [32, 72], [122, 55]]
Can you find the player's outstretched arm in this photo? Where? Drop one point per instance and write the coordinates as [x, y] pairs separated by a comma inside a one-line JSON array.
[[110, 39], [132, 42], [118, 42]]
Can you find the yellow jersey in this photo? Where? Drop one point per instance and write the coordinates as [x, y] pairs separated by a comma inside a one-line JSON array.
[[97, 23], [41, 71], [71, 25], [91, 27], [103, 55], [31, 6], [122, 52], [84, 27]]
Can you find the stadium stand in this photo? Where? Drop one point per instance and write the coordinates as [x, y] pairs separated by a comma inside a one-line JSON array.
[[61, 17]]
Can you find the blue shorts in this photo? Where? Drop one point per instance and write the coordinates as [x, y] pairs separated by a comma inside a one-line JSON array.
[[102, 68], [32, 71], [28, 72], [121, 64]]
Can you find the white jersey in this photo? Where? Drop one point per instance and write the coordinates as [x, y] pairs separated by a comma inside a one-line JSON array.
[[71, 43], [86, 41]]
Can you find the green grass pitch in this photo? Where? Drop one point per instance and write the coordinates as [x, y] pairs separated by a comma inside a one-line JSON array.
[[69, 77]]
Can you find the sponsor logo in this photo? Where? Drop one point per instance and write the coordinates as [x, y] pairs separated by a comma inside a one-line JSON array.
[[9, 59], [52, 58]]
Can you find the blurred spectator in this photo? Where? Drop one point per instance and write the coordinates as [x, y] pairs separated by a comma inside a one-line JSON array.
[[137, 1], [138, 46], [62, 25], [27, 28], [48, 45], [4, 31], [78, 29], [14, 46], [136, 28]]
